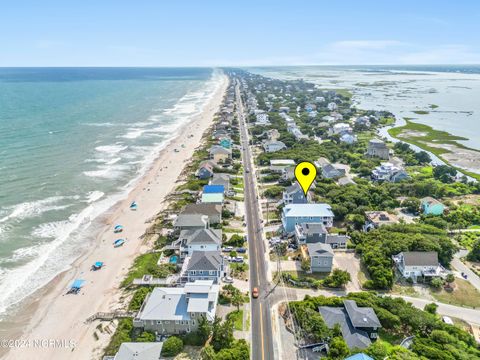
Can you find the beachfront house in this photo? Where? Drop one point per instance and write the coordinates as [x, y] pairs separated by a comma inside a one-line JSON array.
[[418, 264], [178, 310], [191, 222], [199, 240], [203, 265], [212, 211], [225, 142], [139, 351], [377, 148], [431, 206], [221, 180], [219, 154], [213, 194], [273, 146], [294, 195], [205, 171], [320, 256], [359, 325], [375, 219], [294, 214], [309, 233]]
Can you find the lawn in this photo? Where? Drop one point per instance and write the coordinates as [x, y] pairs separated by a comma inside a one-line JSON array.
[[237, 318], [464, 294], [147, 264]]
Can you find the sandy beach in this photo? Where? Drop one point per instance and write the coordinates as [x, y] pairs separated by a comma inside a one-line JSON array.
[[54, 316]]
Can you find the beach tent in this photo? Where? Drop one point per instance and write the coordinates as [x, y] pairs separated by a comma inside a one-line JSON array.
[[97, 266], [118, 228], [118, 242], [76, 286]]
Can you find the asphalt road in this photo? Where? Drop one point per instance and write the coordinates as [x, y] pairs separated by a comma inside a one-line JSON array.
[[262, 341]]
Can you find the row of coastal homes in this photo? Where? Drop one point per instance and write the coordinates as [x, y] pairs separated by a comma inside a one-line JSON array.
[[192, 293]]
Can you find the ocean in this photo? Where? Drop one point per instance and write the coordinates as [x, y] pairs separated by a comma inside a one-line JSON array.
[[449, 93], [73, 143]]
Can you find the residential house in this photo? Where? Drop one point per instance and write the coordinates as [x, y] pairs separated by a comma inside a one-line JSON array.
[[177, 310], [310, 107], [273, 134], [203, 265], [331, 172], [431, 206], [363, 121], [205, 171], [336, 116], [221, 180], [262, 119], [191, 222], [213, 194], [328, 118], [319, 99], [212, 211], [418, 264], [320, 256], [294, 195], [225, 142], [340, 128], [273, 146], [377, 148], [219, 154], [220, 133], [284, 109], [359, 356], [332, 106], [199, 240], [375, 219], [294, 214], [309, 233], [139, 351], [348, 138], [288, 173], [389, 172], [279, 165], [359, 325]]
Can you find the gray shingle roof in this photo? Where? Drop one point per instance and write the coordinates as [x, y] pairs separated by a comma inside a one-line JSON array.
[[203, 209], [202, 236], [191, 220], [353, 337], [420, 258], [313, 228], [362, 317], [293, 188], [320, 249], [205, 260]]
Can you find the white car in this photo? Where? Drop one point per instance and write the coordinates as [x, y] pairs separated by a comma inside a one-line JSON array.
[[228, 279]]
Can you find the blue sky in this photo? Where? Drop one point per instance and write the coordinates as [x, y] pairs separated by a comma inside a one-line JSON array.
[[244, 32]]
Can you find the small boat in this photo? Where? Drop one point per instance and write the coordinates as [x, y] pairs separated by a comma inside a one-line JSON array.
[[118, 242], [97, 266], [118, 229], [133, 206], [76, 286]]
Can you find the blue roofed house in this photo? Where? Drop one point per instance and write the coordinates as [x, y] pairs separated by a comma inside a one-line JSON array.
[[294, 214], [431, 206], [359, 356], [213, 194], [225, 142]]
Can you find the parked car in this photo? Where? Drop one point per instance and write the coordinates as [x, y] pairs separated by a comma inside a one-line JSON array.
[[231, 193], [228, 279], [227, 249], [241, 250]]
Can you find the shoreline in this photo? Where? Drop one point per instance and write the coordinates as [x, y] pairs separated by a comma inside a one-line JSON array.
[[49, 313], [448, 150]]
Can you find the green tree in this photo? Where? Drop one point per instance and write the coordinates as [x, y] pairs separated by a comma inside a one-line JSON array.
[[444, 173], [305, 266], [436, 283], [222, 334], [146, 337], [237, 300], [204, 329], [338, 278], [411, 204], [338, 348], [431, 308], [172, 346], [208, 353], [474, 254], [450, 278]]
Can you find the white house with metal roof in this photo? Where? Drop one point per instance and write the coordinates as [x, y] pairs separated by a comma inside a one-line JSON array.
[[294, 214], [178, 310]]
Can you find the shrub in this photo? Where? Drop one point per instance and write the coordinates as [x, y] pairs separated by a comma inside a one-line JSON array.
[[172, 346]]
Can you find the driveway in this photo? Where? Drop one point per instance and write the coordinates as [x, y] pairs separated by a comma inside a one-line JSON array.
[[351, 263], [461, 267]]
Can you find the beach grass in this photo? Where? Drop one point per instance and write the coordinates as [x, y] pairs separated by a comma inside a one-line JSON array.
[[146, 264], [421, 112]]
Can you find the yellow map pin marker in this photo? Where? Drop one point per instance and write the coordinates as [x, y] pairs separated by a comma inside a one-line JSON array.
[[305, 173]]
